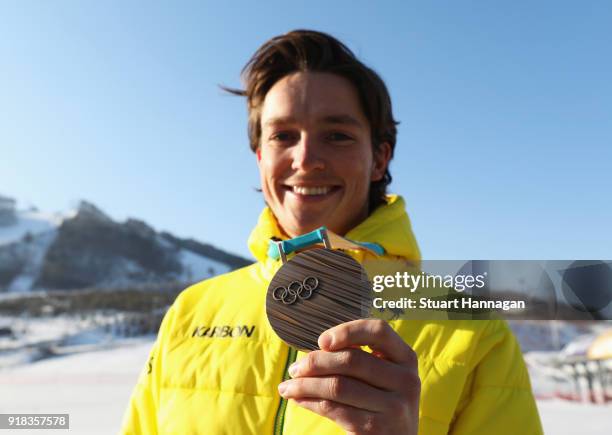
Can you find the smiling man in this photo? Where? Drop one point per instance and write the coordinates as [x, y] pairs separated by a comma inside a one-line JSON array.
[[316, 158], [322, 129]]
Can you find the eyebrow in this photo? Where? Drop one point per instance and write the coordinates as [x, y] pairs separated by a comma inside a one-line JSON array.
[[342, 119], [279, 120], [330, 119]]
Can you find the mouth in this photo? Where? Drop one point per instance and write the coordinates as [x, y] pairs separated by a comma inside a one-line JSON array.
[[312, 191]]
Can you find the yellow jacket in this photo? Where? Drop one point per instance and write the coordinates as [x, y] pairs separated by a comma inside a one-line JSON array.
[[216, 364]]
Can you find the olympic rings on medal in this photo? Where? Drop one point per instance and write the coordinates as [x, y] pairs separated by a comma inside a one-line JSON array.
[[303, 290]]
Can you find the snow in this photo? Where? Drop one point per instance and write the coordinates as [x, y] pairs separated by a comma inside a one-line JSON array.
[[95, 387], [197, 267], [42, 229], [34, 330], [36, 338], [33, 222], [35, 256], [568, 418]]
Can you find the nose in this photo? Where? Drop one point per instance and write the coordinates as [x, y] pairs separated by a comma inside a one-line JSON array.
[[307, 154]]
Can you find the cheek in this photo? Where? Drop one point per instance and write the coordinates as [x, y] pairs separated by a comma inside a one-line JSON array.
[[270, 159], [361, 177], [270, 171], [359, 168]]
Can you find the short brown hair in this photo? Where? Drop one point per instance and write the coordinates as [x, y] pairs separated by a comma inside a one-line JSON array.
[[308, 50]]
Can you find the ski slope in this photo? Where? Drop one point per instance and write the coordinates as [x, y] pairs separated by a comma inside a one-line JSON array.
[[94, 388], [33, 223]]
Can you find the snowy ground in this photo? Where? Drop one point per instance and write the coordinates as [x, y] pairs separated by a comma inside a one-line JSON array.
[[569, 418], [94, 388], [36, 338]]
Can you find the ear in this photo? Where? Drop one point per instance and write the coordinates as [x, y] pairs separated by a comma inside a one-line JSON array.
[[380, 162], [258, 154]]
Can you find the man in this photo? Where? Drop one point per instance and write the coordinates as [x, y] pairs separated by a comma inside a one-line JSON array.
[[322, 129]]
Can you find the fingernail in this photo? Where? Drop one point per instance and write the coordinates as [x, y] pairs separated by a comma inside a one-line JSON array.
[[282, 388], [326, 341], [294, 369]]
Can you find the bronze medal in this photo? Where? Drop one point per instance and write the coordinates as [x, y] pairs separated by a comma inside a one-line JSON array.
[[314, 291]]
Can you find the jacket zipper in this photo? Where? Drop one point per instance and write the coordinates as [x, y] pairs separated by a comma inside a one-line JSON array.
[[279, 420]]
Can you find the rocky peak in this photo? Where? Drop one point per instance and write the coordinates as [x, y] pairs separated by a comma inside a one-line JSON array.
[[88, 210], [140, 227]]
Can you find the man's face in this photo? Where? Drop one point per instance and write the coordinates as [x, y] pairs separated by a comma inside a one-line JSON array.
[[315, 159]]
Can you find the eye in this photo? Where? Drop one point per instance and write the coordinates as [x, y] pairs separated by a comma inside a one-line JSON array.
[[339, 138], [283, 137]]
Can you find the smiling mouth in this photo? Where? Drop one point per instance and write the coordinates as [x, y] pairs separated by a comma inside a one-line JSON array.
[[311, 190]]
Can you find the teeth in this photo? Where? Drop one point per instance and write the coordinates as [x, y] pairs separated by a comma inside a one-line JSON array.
[[301, 190]]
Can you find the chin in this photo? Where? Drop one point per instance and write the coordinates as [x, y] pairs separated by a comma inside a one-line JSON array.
[[306, 228], [306, 222], [303, 226]]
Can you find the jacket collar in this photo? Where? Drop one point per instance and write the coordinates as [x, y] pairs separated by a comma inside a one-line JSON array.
[[389, 226]]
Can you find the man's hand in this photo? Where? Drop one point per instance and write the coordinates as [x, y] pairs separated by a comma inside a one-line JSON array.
[[363, 392]]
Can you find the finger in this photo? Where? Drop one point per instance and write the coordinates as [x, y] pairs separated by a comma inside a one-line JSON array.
[[341, 389], [355, 363], [351, 419], [375, 333]]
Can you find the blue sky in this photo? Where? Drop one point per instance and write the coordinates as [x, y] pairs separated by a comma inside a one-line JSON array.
[[504, 147]]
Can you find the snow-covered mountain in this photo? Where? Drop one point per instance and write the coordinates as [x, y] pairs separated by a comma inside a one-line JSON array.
[[86, 248]]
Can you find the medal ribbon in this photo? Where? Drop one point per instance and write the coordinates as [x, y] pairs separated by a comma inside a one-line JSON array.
[[318, 236]]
